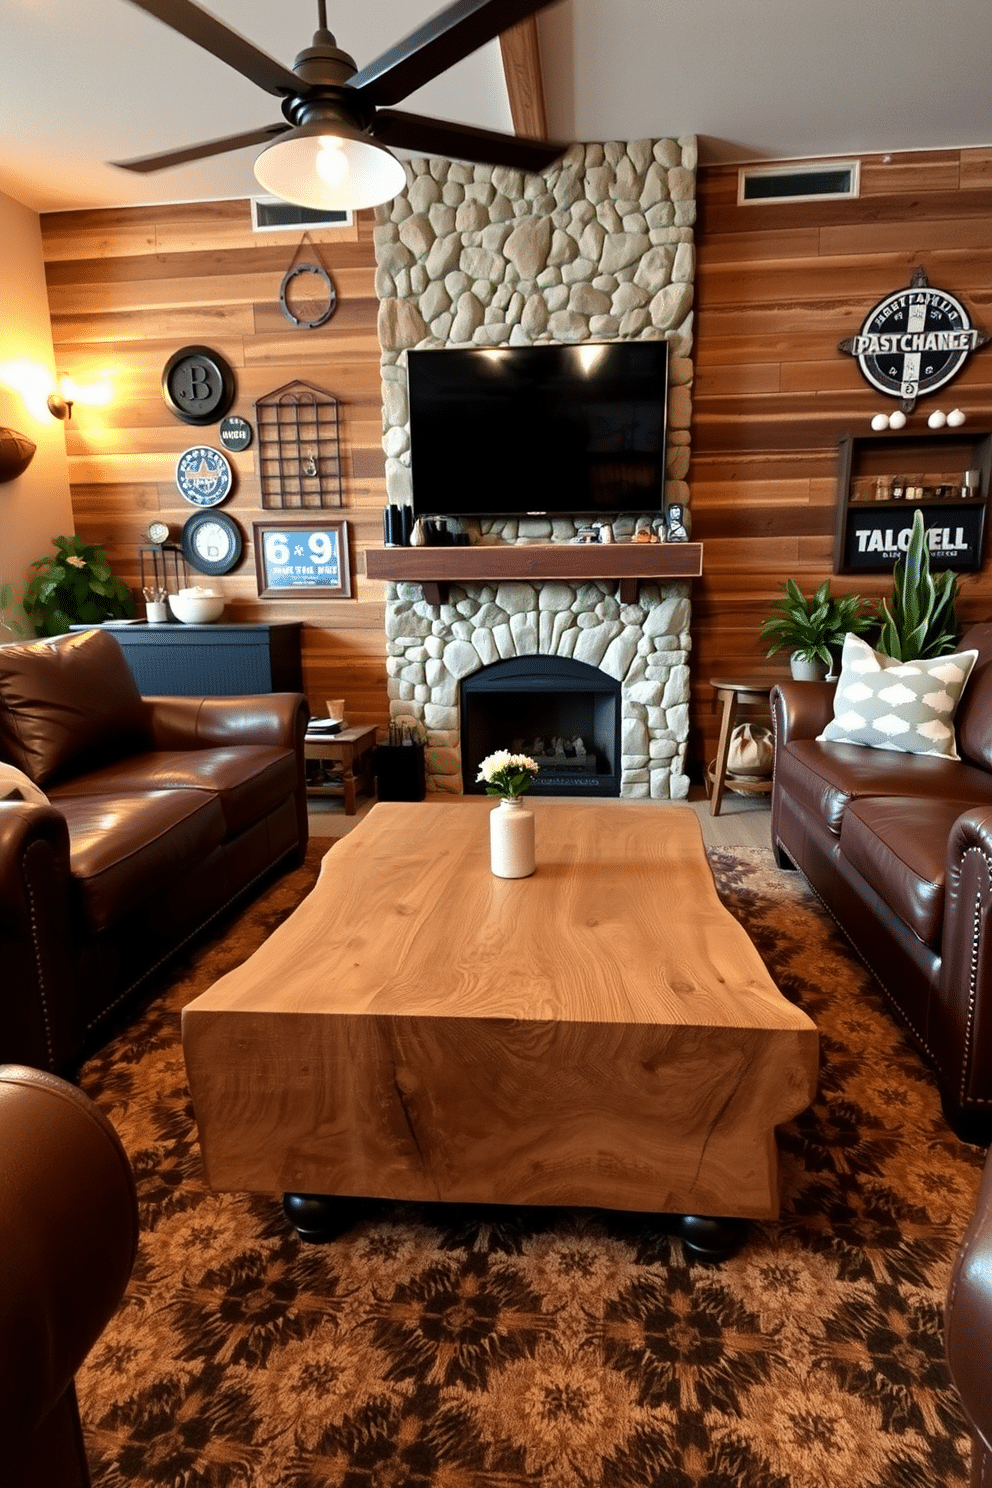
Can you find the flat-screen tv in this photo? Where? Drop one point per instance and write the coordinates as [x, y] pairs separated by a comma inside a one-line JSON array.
[[560, 430]]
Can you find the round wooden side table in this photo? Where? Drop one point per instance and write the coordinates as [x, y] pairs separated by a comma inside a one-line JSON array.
[[735, 693]]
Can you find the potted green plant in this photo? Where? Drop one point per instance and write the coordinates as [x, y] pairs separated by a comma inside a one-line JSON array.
[[923, 618], [812, 627], [73, 586]]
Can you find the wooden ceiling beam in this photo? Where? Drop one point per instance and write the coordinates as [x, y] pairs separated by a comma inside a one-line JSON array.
[[522, 68]]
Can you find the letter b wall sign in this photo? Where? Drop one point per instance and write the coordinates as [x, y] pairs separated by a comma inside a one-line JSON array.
[[198, 385], [875, 540]]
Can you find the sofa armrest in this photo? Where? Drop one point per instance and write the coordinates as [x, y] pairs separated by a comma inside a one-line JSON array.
[[68, 1236], [960, 1022], [37, 984], [211, 722], [801, 710], [968, 1326]]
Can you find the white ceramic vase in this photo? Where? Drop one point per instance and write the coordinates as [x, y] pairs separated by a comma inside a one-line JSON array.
[[511, 840]]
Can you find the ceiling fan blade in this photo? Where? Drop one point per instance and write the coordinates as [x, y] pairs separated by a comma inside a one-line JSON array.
[[463, 141], [438, 44], [145, 163], [213, 36]]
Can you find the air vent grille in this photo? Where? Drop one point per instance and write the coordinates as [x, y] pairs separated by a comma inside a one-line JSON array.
[[270, 214], [798, 183]]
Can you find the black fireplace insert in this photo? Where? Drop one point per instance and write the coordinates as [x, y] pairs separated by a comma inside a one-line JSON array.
[[564, 713]]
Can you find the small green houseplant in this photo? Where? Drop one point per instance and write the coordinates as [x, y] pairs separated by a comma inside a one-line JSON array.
[[923, 619], [812, 627], [74, 586]]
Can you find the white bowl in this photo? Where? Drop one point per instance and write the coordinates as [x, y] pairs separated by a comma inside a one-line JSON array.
[[196, 608]]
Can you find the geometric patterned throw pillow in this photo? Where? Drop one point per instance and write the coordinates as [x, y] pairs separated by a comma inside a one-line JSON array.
[[907, 706]]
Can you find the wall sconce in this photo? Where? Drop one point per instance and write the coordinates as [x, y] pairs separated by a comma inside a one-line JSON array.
[[91, 395]]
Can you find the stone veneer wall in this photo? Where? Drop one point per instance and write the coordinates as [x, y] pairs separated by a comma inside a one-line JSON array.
[[598, 248]]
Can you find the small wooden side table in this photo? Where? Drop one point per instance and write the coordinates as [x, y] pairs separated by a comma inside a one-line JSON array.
[[351, 749], [734, 694]]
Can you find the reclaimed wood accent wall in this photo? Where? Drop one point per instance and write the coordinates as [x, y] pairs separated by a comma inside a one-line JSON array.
[[127, 288], [777, 287]]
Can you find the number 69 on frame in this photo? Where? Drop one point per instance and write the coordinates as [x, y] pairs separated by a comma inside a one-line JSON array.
[[302, 560]]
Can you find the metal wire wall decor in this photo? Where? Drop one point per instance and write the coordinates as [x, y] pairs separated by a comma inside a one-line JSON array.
[[299, 448]]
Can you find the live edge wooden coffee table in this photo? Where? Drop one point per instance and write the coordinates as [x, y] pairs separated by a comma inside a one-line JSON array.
[[601, 1034]]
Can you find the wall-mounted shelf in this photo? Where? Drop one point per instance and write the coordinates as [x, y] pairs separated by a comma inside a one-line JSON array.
[[631, 564], [871, 519]]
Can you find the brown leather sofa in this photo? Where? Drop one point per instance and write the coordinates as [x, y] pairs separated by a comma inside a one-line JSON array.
[[160, 813], [899, 849], [68, 1236], [968, 1328]]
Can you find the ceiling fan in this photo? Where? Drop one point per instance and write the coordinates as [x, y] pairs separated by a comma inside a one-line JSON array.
[[332, 151]]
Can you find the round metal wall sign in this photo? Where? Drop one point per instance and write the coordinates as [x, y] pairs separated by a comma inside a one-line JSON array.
[[203, 476], [914, 341], [235, 433], [212, 543], [198, 385]]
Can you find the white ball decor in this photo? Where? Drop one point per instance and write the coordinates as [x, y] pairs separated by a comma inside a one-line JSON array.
[[937, 419], [880, 421], [897, 420], [956, 418]]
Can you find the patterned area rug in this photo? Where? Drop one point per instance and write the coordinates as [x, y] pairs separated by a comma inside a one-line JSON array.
[[566, 1350]]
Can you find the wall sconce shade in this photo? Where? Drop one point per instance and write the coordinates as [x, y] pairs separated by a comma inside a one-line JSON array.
[[59, 407], [329, 164], [16, 454]]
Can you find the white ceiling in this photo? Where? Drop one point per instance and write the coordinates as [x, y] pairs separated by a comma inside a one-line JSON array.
[[86, 81]]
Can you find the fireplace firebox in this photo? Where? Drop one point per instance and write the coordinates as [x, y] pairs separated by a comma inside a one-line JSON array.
[[564, 713]]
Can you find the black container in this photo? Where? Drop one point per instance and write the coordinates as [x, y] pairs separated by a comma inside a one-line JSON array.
[[399, 772]]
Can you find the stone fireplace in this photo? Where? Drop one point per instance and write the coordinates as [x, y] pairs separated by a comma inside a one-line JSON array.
[[643, 646], [598, 248]]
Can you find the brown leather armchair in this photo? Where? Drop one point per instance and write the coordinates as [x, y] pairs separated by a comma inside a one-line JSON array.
[[68, 1236], [968, 1331]]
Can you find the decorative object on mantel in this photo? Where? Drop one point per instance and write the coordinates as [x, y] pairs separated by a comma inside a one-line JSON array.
[[675, 523], [299, 456], [511, 827], [812, 627], [16, 454], [307, 294], [198, 385]]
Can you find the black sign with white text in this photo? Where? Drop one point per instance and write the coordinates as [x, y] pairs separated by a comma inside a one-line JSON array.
[[878, 535]]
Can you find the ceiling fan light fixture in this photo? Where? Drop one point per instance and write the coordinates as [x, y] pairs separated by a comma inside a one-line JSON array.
[[332, 165]]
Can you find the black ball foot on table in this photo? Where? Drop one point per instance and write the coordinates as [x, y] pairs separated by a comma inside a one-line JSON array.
[[709, 1239], [317, 1218]]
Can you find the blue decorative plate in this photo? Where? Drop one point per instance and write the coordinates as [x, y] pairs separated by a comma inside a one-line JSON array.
[[203, 476]]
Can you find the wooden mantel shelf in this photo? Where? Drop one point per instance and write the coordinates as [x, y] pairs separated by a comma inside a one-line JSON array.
[[629, 563]]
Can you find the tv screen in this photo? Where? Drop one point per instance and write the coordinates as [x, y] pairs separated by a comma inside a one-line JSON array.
[[559, 430]]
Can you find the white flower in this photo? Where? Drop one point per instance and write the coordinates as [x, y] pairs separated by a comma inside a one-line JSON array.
[[76, 561]]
